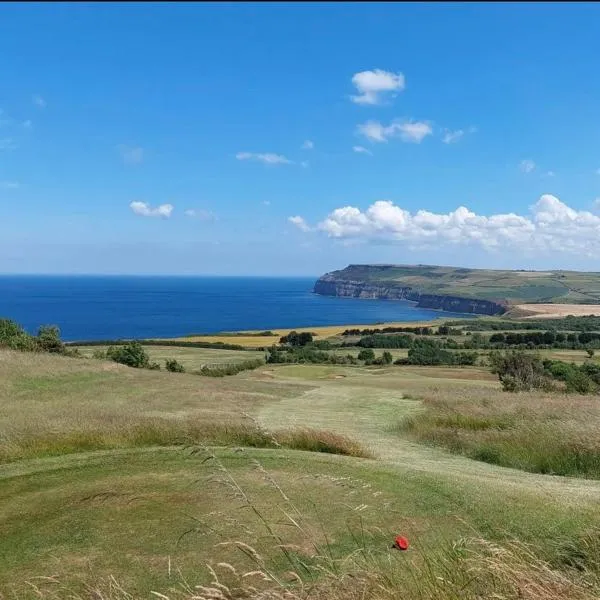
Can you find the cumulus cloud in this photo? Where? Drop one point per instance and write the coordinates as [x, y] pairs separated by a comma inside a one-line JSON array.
[[300, 223], [450, 137], [308, 145], [131, 155], [551, 226], [407, 131], [267, 158], [39, 101], [361, 150], [374, 86], [526, 166], [143, 209]]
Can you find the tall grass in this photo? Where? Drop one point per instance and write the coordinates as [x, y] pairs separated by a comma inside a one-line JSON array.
[[540, 433], [174, 432]]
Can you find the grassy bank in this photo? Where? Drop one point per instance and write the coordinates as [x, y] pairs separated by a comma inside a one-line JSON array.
[[540, 433]]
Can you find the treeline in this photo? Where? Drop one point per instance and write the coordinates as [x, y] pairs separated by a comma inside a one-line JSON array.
[[519, 371], [547, 338], [441, 330], [497, 341], [174, 343], [569, 323], [13, 336]]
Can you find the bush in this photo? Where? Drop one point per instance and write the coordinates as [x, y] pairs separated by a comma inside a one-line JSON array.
[[132, 355], [366, 354], [519, 371], [387, 358], [293, 338], [48, 339], [231, 369], [174, 366]]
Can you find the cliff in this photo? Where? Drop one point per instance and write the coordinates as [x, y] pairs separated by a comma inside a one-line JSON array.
[[367, 286]]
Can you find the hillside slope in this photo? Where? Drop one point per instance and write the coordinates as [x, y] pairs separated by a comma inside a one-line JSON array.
[[481, 291]]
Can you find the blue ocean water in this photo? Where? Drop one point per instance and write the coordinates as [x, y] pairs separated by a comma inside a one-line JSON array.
[[86, 307]]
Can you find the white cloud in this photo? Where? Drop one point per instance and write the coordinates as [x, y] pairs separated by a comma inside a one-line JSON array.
[[551, 226], [266, 158], [304, 164], [308, 145], [131, 155], [143, 209], [27, 124], [374, 85], [202, 215], [549, 174], [266, 203], [450, 137], [10, 185], [407, 131], [300, 223], [526, 166], [597, 171], [39, 101], [361, 150]]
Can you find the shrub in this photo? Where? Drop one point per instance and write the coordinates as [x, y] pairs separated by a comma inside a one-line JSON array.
[[174, 366], [387, 358], [48, 339], [132, 355], [293, 338], [519, 371], [366, 354]]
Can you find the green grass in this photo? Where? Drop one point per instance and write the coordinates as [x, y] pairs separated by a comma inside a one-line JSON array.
[[112, 486], [512, 286], [541, 433], [191, 358]]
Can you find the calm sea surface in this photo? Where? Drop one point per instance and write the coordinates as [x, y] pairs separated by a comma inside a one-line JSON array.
[[87, 308]]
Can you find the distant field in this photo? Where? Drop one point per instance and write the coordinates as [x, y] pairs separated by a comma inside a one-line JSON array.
[[554, 311], [256, 341], [515, 287], [190, 358]]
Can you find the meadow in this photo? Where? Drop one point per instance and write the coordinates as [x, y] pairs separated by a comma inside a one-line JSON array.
[[289, 481]]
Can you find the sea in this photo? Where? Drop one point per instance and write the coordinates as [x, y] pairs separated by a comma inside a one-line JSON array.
[[126, 307]]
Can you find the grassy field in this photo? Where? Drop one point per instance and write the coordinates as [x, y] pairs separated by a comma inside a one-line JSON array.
[[152, 511], [190, 358], [251, 340], [515, 287]]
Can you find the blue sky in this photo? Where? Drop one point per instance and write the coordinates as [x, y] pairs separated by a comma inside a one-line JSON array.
[[171, 138]]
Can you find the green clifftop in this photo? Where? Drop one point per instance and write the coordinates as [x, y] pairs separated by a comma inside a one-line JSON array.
[[481, 291]]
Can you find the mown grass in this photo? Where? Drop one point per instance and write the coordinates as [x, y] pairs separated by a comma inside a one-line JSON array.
[[259, 524], [541, 433]]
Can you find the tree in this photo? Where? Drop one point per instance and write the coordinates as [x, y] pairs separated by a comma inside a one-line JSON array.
[[131, 354], [387, 358], [590, 352], [366, 354], [48, 339], [293, 338], [519, 371]]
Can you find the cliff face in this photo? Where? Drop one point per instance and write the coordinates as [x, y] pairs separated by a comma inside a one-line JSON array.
[[331, 285]]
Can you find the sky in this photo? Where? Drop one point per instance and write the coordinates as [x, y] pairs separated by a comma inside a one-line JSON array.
[[294, 139]]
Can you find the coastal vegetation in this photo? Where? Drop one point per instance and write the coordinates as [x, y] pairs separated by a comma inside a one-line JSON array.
[[292, 478]]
